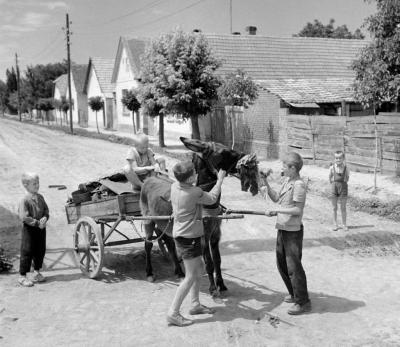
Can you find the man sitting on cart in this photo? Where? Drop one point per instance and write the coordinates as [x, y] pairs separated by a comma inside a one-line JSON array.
[[142, 162]]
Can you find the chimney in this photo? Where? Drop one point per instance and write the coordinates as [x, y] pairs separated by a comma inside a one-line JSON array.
[[251, 30], [236, 33]]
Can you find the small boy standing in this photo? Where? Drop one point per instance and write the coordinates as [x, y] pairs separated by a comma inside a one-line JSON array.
[[338, 177], [141, 162], [187, 201], [289, 243], [34, 214]]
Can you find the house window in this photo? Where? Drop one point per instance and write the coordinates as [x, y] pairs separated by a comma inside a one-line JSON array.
[[125, 111]]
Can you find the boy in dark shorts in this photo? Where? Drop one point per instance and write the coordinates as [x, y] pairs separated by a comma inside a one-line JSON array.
[[338, 177], [34, 214], [289, 242], [187, 201]]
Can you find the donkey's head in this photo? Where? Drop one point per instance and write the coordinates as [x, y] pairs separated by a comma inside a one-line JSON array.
[[212, 156]]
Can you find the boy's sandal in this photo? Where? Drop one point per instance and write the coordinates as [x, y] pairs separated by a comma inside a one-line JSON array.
[[201, 310], [335, 228], [38, 278], [24, 282]]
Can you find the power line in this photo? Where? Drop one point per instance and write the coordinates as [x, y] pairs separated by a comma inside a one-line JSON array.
[[147, 23], [52, 42], [133, 12]]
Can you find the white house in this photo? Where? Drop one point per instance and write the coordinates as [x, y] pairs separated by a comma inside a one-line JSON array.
[[59, 92], [98, 83], [79, 99]]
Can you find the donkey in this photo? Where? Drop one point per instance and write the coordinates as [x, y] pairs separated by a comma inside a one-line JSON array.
[[208, 158]]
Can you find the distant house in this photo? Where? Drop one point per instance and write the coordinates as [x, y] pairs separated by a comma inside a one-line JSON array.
[[79, 99], [125, 76], [60, 92], [295, 75], [98, 83]]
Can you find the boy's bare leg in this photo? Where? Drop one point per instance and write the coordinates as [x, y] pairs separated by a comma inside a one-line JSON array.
[[343, 202], [334, 201], [191, 273]]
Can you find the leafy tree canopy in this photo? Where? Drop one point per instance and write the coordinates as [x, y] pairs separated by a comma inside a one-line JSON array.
[[130, 101], [378, 66], [96, 103], [178, 76], [318, 29], [238, 89]]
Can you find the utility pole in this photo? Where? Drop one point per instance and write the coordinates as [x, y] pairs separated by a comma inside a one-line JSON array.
[[18, 87], [230, 14], [69, 72]]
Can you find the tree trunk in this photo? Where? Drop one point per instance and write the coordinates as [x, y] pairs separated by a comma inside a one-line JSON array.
[[105, 125], [161, 142], [133, 122], [97, 124], [194, 119], [232, 126], [137, 120]]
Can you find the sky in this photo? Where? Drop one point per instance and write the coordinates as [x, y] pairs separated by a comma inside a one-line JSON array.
[[34, 28]]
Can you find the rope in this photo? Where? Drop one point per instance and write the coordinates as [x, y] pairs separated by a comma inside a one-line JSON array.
[[141, 228]]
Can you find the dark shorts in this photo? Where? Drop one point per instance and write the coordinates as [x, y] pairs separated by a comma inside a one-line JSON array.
[[188, 248], [339, 189]]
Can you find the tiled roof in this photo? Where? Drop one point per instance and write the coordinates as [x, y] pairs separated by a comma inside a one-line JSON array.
[[136, 48], [311, 90], [79, 75], [61, 83], [104, 69], [265, 58]]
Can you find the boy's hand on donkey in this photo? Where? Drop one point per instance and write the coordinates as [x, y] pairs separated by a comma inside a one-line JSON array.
[[221, 175]]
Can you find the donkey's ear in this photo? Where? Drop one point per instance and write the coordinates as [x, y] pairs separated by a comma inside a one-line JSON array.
[[194, 145]]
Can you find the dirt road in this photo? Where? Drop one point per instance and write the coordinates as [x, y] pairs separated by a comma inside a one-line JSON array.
[[353, 277]]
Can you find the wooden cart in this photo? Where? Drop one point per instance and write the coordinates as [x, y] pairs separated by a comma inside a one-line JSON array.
[[96, 221]]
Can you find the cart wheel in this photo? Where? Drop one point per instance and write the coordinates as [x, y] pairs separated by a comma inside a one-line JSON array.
[[88, 247]]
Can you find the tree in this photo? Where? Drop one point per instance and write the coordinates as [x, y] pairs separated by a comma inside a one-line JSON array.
[[96, 104], [178, 77], [237, 89], [317, 29], [377, 67], [132, 104], [3, 97], [46, 104]]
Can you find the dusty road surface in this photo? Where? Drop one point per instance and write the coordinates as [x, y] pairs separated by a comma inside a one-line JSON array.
[[353, 277]]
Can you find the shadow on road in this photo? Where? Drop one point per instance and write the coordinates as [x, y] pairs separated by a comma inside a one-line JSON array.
[[374, 242], [240, 298]]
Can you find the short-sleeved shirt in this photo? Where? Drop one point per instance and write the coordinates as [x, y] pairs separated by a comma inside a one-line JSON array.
[[291, 191], [145, 159], [187, 201]]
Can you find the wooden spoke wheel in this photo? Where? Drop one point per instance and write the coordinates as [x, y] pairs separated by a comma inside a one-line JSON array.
[[88, 247]]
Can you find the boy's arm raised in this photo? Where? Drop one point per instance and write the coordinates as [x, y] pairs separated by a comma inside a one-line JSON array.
[[211, 197]]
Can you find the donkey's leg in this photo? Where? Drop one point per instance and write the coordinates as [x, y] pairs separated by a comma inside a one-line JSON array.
[[148, 245], [207, 256], [172, 252], [215, 237]]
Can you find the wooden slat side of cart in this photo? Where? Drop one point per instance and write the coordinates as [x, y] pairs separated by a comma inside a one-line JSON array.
[[124, 204]]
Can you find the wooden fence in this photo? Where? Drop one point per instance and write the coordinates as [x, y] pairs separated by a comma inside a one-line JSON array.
[[316, 138]]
